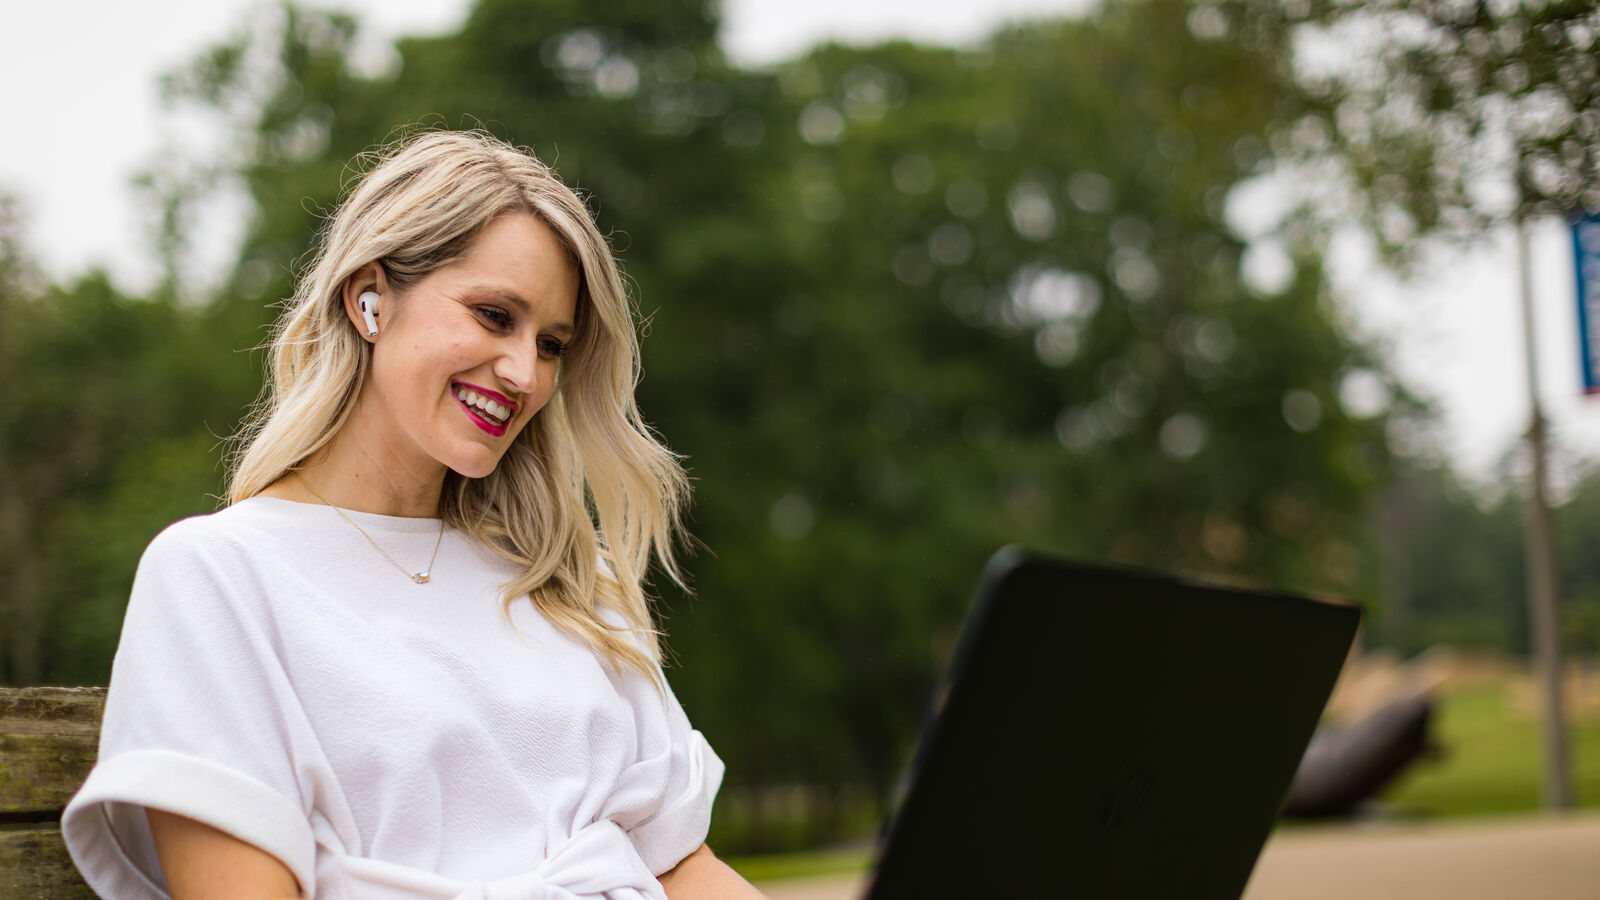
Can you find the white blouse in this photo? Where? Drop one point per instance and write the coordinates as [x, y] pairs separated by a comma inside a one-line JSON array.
[[281, 681]]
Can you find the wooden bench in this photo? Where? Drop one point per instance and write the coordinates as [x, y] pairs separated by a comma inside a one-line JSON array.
[[48, 740]]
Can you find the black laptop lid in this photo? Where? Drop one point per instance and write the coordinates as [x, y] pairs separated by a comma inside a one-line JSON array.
[[1111, 734]]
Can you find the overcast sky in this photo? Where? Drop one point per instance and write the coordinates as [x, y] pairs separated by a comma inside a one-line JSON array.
[[76, 70]]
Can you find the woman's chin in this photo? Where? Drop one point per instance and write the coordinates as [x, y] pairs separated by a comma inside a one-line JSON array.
[[475, 467]]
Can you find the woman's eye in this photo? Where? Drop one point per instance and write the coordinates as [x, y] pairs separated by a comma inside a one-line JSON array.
[[551, 347], [497, 318]]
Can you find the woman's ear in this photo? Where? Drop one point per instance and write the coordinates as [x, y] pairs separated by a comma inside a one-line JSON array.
[[364, 294]]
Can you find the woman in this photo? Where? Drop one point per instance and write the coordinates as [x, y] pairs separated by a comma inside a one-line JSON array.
[[413, 658]]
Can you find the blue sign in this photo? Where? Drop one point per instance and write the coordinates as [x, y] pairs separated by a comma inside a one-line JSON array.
[[1586, 256]]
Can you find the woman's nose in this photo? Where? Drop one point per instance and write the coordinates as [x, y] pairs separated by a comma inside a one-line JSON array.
[[518, 367]]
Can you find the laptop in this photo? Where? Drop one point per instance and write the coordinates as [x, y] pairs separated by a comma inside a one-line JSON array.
[[1107, 733]]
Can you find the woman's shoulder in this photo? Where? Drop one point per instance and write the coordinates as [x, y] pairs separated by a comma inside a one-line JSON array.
[[204, 573], [228, 526], [235, 535]]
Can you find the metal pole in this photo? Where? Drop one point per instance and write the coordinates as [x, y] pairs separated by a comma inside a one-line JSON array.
[[1543, 605]]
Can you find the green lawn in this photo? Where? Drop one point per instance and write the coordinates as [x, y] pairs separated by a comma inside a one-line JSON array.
[[1491, 760]]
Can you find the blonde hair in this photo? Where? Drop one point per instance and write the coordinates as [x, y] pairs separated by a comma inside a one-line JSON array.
[[586, 481]]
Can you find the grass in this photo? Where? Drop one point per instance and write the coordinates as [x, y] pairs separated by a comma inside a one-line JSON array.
[[1491, 761]]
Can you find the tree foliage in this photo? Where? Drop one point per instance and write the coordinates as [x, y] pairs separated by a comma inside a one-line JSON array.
[[1453, 566], [106, 406], [904, 304], [1448, 116]]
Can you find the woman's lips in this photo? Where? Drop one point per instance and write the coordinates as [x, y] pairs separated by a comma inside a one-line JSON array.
[[490, 410], [478, 420], [494, 395]]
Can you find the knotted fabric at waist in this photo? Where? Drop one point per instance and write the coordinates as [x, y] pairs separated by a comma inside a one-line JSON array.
[[600, 860]]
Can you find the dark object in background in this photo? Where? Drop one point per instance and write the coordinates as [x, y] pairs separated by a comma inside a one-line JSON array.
[[1342, 769]]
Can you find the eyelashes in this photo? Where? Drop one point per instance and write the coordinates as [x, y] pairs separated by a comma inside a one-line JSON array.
[[498, 319], [502, 322]]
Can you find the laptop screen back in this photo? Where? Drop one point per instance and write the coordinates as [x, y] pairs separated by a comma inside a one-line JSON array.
[[1111, 734]]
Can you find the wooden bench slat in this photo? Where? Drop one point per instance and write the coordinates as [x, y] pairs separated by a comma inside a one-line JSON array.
[[34, 865], [48, 741]]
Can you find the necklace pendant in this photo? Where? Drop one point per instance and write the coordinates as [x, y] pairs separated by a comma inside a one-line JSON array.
[[421, 577]]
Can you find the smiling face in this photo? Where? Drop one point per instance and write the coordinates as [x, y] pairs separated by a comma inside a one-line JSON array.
[[464, 358]]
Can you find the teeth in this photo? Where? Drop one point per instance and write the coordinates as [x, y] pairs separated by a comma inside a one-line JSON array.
[[492, 410]]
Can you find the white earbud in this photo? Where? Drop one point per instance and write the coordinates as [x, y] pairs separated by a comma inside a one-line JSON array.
[[369, 310]]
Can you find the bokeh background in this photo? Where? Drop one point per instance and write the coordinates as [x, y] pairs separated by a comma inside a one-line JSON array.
[[1066, 284]]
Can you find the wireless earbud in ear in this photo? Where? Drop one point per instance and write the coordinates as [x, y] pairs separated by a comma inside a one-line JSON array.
[[369, 310]]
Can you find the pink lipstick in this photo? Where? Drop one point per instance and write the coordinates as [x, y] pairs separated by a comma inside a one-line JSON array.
[[490, 410]]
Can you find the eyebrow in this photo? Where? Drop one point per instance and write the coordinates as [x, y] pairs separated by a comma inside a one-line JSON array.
[[562, 329]]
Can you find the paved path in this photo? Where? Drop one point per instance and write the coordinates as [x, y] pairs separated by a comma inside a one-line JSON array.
[[1554, 858], [1549, 859]]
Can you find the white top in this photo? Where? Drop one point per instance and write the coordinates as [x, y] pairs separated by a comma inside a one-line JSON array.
[[279, 680]]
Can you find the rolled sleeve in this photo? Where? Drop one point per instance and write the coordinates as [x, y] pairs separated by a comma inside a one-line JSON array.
[[200, 721], [695, 775]]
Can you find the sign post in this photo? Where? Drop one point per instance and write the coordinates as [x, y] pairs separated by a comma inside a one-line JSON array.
[[1544, 607]]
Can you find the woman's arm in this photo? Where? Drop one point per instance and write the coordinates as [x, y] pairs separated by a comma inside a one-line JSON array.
[[701, 876], [199, 861]]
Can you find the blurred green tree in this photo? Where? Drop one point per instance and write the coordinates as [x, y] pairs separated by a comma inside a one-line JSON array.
[[104, 405], [1437, 117], [1453, 564], [1578, 524], [1448, 118], [906, 304]]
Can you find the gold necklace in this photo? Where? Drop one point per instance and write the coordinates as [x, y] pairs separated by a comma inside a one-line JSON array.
[[419, 577]]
